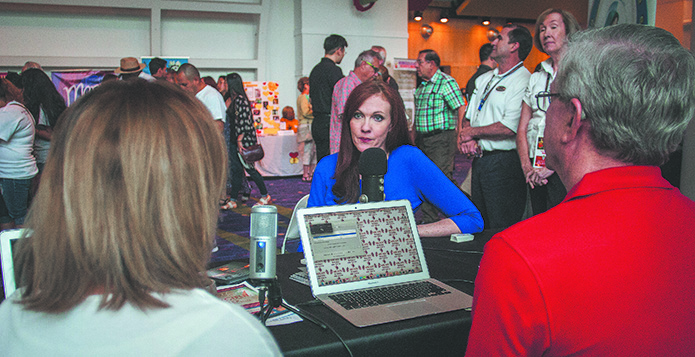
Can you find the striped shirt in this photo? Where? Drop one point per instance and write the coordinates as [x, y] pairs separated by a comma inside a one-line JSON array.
[[341, 92]]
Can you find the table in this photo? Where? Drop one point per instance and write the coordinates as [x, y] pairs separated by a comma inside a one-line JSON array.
[[442, 334], [281, 155]]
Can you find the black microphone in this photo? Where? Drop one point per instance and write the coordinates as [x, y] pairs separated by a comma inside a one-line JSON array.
[[263, 233], [372, 167]]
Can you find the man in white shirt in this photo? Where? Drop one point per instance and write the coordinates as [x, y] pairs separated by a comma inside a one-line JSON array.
[[188, 78], [498, 187]]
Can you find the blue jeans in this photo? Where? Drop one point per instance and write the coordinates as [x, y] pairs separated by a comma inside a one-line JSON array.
[[15, 194], [498, 188]]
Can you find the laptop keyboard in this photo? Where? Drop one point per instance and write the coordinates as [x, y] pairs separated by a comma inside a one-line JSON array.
[[387, 295]]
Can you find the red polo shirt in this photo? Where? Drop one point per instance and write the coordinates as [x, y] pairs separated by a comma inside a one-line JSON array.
[[609, 271]]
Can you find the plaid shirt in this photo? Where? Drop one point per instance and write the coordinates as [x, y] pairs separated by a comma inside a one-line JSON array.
[[436, 103]]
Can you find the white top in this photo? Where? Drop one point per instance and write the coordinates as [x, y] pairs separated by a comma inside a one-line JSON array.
[[540, 81], [196, 324], [213, 101], [502, 105], [16, 142], [146, 77], [42, 146]]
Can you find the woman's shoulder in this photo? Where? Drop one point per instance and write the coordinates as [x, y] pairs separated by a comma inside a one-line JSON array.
[[328, 163], [13, 108], [544, 70], [407, 152], [537, 76]]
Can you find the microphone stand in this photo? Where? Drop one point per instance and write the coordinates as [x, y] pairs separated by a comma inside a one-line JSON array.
[[274, 292]]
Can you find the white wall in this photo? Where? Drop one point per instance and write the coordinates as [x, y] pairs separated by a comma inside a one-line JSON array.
[[386, 24], [266, 40], [72, 35]]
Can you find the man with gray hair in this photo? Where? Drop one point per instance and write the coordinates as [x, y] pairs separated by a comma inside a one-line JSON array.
[[387, 78], [609, 270], [366, 68]]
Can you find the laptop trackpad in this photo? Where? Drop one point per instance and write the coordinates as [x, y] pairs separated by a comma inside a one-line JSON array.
[[414, 308]]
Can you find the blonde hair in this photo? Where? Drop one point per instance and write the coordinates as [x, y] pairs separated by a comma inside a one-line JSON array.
[[570, 22], [128, 200]]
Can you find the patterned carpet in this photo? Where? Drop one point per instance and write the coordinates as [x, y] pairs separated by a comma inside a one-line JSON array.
[[233, 229]]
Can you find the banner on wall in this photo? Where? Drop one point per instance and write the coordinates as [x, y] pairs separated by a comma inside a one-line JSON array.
[[265, 106], [172, 62], [73, 84]]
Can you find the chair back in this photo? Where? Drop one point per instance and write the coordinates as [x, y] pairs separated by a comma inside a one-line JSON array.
[[292, 229]]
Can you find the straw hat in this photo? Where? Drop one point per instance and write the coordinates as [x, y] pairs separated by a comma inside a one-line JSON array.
[[130, 65]]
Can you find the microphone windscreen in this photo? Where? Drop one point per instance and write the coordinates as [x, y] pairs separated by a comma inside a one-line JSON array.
[[373, 162], [264, 221]]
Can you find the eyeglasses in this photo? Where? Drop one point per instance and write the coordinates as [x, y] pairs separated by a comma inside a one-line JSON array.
[[543, 100], [375, 68]]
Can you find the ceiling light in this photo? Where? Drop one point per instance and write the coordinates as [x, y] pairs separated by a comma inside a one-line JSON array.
[[486, 21], [444, 18], [418, 16]]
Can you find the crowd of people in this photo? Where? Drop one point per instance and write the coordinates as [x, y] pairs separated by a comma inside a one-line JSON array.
[[585, 133], [495, 120], [231, 111], [121, 229], [30, 108]]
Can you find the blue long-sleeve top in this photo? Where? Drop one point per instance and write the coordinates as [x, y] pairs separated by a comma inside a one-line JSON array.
[[412, 176]]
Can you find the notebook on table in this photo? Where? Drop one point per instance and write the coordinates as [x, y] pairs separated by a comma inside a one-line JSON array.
[[8, 246], [356, 251]]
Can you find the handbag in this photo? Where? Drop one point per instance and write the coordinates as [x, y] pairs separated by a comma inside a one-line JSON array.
[[252, 153], [304, 133]]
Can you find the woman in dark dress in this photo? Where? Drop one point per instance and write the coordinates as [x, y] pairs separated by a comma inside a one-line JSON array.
[[243, 133]]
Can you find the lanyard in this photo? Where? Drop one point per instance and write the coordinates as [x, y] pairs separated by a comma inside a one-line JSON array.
[[488, 88], [547, 83]]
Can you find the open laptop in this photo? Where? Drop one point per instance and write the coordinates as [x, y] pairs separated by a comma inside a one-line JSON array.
[[8, 246], [359, 248]]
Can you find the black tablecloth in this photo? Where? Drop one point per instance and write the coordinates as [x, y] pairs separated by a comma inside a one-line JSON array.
[[447, 333]]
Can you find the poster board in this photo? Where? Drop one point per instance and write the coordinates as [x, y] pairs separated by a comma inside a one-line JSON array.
[[405, 74], [265, 106], [172, 62]]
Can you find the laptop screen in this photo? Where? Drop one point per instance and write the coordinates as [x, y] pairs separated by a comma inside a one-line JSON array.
[[362, 244], [8, 247]]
